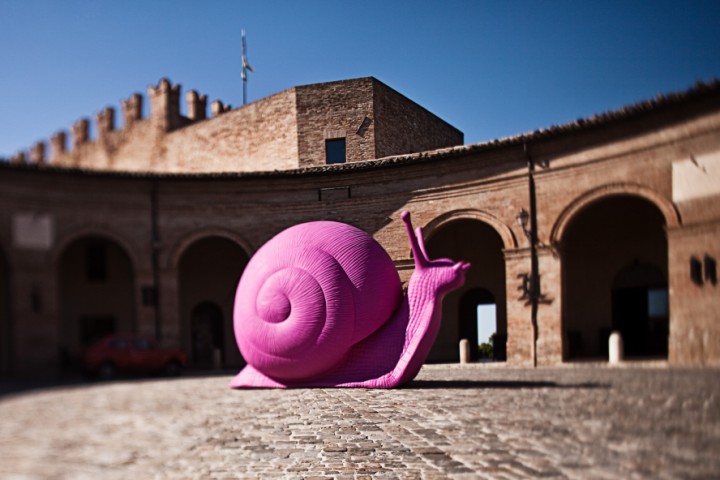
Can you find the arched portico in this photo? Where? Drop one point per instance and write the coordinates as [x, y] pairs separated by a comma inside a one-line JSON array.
[[615, 271], [478, 238], [96, 286], [209, 268], [669, 213]]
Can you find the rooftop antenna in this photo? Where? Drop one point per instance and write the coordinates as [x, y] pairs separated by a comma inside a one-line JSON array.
[[245, 67]]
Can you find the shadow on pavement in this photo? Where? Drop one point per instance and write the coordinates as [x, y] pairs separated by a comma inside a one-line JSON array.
[[499, 384], [10, 387]]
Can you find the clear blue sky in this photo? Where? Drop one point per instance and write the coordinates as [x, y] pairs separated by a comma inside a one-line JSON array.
[[492, 69]]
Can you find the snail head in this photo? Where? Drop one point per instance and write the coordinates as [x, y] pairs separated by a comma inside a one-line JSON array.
[[455, 271]]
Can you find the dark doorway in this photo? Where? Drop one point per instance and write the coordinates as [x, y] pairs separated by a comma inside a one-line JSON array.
[[640, 310], [476, 242], [94, 328], [614, 255], [97, 293], [207, 333], [478, 324], [208, 271]]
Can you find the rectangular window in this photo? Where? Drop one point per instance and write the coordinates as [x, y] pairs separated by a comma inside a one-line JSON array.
[[335, 151]]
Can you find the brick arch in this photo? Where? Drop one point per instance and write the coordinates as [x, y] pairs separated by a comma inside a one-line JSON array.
[[96, 231], [505, 233], [181, 246], [665, 206]]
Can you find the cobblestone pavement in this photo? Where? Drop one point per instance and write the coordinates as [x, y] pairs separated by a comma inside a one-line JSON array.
[[453, 422]]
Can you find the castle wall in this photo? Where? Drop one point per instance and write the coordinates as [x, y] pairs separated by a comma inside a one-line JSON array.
[[402, 126], [335, 110], [281, 132], [652, 157], [259, 136]]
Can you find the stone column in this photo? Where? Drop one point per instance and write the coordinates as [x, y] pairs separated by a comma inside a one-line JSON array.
[[519, 327], [549, 347], [144, 303], [550, 331], [170, 306], [35, 315]]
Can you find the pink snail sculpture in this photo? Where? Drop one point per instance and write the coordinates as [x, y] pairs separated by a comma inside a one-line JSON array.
[[321, 305]]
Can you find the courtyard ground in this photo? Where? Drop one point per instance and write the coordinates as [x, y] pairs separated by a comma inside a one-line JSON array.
[[472, 421]]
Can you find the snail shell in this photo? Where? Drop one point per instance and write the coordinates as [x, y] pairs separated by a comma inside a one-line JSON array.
[[308, 295]]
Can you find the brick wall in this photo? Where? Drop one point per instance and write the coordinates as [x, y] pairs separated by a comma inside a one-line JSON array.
[[576, 169], [341, 109], [402, 126], [262, 135], [281, 132]]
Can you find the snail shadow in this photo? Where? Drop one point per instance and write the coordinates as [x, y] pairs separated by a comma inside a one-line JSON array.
[[498, 384]]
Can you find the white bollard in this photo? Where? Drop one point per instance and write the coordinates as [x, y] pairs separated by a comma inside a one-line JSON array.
[[217, 359], [615, 348], [464, 351]]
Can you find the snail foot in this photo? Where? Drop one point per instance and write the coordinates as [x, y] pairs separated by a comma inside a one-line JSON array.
[[250, 377]]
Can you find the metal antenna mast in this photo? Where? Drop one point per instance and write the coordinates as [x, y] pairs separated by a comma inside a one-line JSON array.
[[245, 67]]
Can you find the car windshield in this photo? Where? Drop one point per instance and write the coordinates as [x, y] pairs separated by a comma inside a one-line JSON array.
[[143, 344]]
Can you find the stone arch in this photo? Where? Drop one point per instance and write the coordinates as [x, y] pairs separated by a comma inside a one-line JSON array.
[[665, 206], [96, 278], [505, 233], [179, 248], [468, 235], [95, 231], [608, 247], [208, 265]]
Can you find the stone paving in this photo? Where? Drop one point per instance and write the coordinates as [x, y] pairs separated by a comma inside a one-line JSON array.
[[462, 422]]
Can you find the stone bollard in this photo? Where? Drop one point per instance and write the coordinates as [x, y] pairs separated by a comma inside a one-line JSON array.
[[464, 351], [615, 348], [217, 359]]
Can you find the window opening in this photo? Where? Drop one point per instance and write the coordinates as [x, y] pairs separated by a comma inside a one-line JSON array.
[[335, 151]]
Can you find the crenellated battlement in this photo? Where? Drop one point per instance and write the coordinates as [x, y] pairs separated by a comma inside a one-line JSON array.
[[196, 105], [81, 132], [165, 105], [218, 108], [132, 109], [105, 122], [97, 152], [286, 130]]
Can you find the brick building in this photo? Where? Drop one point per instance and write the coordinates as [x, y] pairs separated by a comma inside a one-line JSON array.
[[147, 228]]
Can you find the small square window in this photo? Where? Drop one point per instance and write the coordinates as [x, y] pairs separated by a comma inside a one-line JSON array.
[[335, 151]]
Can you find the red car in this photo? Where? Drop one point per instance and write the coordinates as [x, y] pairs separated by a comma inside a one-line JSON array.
[[126, 353]]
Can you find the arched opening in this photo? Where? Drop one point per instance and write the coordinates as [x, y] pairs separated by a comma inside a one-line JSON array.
[[478, 324], [96, 282], [5, 327], [469, 310], [615, 277], [206, 330], [209, 270]]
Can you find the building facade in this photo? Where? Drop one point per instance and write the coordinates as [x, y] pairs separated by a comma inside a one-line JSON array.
[[148, 229]]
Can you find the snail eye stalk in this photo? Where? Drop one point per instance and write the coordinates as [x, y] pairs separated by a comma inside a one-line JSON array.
[[417, 250], [421, 243]]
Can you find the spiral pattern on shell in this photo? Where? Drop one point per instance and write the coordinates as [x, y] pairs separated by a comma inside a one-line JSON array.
[[308, 295]]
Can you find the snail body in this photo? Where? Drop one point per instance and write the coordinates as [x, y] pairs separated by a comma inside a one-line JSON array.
[[321, 304]]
